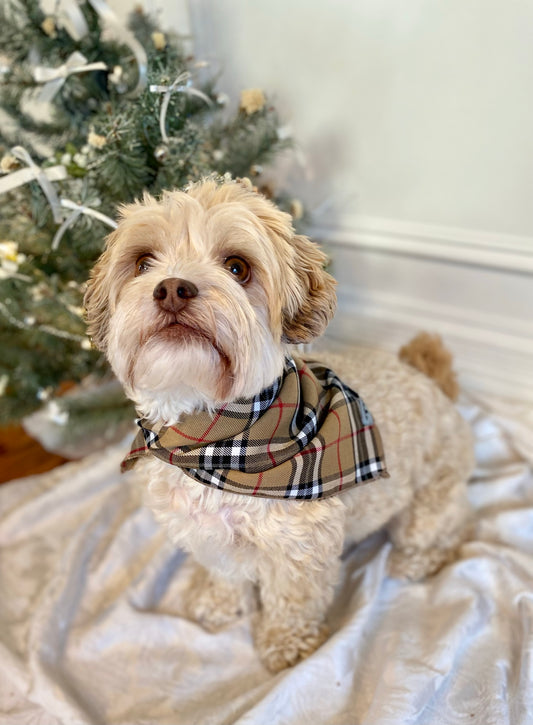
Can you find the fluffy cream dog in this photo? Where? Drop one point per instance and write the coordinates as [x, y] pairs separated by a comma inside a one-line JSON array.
[[195, 302]]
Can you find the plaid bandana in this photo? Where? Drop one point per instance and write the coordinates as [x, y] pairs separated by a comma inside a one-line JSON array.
[[307, 436]]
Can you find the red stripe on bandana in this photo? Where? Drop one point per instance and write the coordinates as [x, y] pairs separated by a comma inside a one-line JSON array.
[[209, 428], [258, 484], [142, 449], [304, 371]]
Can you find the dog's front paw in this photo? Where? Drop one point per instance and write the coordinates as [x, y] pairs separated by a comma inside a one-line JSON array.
[[215, 603], [415, 564], [282, 646]]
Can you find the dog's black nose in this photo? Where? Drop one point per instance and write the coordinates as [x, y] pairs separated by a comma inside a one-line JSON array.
[[171, 294]]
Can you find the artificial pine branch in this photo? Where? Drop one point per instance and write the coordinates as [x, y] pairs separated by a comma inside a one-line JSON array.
[[112, 149]]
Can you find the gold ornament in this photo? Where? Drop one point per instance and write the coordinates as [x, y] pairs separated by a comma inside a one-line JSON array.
[[95, 140], [8, 163], [252, 100], [159, 40], [48, 26]]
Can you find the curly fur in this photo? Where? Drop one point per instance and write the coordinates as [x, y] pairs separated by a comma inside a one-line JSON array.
[[427, 353], [231, 341]]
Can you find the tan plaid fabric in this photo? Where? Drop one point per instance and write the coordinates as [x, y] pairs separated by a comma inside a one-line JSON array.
[[307, 436]]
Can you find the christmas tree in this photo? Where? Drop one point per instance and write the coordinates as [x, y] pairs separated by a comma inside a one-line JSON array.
[[93, 114]]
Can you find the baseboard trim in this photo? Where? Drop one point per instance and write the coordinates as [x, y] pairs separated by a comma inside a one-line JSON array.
[[490, 357], [507, 252]]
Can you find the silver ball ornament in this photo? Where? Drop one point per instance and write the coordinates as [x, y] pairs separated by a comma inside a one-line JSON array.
[[161, 153], [222, 99]]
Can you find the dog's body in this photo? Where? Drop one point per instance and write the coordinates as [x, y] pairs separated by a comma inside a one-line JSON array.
[[195, 301]]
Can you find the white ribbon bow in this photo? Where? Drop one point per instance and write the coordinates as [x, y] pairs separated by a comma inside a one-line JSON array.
[[182, 84], [71, 18], [44, 177], [54, 78], [78, 210], [34, 172]]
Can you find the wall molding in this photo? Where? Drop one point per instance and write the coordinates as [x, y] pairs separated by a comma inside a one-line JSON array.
[[493, 352], [492, 355], [512, 253]]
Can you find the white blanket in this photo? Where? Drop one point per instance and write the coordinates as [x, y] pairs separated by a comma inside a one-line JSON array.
[[92, 627]]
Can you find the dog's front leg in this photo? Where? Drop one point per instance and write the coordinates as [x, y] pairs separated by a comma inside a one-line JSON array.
[[214, 601], [297, 578], [294, 602]]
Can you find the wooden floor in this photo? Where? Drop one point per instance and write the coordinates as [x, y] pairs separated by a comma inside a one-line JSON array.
[[21, 456]]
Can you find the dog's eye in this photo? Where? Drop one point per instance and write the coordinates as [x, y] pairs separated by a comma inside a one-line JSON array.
[[239, 268], [143, 264]]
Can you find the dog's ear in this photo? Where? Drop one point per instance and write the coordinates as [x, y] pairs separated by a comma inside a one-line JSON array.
[[96, 298], [311, 301]]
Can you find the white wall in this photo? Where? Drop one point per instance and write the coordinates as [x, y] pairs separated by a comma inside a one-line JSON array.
[[414, 123], [418, 110]]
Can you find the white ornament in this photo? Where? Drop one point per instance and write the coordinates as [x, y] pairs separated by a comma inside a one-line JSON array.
[[38, 292], [222, 99], [56, 414], [44, 394], [161, 153], [77, 311], [10, 259], [116, 75], [80, 160], [284, 133]]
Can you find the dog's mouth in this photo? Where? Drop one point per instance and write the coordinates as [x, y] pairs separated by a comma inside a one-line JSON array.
[[179, 331], [182, 331], [184, 336]]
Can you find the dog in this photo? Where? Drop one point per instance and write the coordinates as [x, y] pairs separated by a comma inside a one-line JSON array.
[[198, 301]]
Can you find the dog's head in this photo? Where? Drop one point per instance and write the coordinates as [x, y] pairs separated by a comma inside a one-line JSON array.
[[196, 296]]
